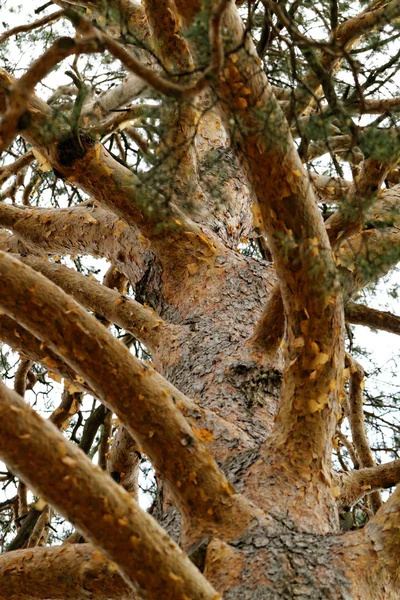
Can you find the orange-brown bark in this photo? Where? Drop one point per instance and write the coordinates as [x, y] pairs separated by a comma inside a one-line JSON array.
[[357, 425], [109, 516], [113, 306], [77, 337], [354, 485], [212, 415], [61, 572]]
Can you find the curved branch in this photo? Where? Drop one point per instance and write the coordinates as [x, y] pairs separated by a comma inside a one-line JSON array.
[[142, 322], [91, 231], [306, 420], [21, 340], [142, 399], [22, 89], [99, 507], [30, 26], [376, 247], [355, 485], [9, 170], [59, 572]]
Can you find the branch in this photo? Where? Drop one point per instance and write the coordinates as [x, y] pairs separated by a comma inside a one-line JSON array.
[[99, 507], [17, 117], [305, 269], [142, 399], [91, 231], [120, 118], [366, 257], [30, 26], [108, 182], [343, 39], [371, 317], [127, 20], [375, 106], [357, 424], [123, 461], [9, 170], [382, 531], [112, 99], [70, 404], [350, 216], [30, 520], [355, 485], [41, 530], [59, 572], [162, 85], [20, 376], [142, 322], [18, 338], [21, 340], [329, 189], [270, 328]]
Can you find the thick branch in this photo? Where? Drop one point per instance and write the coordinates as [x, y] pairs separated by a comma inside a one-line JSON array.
[[60, 572], [108, 182], [362, 259], [91, 231], [305, 269], [113, 306], [354, 485], [142, 399], [21, 340], [99, 507]]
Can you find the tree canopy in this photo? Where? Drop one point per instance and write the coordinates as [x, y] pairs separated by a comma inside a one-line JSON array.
[[199, 205]]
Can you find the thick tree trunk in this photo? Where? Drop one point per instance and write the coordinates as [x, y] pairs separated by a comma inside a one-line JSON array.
[[239, 426]]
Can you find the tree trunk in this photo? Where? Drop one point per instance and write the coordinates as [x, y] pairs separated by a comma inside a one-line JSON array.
[[239, 406]]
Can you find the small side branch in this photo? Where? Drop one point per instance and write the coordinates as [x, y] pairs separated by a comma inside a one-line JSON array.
[[357, 424], [31, 26], [17, 116], [358, 314], [9, 170]]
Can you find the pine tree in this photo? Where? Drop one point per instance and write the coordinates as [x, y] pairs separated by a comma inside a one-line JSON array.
[[237, 167]]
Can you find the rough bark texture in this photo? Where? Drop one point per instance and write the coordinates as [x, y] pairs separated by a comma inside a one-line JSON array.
[[238, 423]]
